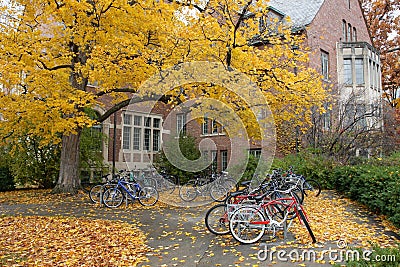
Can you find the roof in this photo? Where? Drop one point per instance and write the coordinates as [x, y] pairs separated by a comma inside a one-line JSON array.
[[301, 12]]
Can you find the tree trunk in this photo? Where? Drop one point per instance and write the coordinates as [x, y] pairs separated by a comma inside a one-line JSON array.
[[68, 179]]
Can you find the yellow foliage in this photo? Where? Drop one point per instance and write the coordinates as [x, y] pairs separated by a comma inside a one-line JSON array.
[[54, 49]]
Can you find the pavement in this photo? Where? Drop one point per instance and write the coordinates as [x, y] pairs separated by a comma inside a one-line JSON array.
[[176, 236]]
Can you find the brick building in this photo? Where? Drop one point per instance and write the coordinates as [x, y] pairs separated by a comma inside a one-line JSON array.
[[341, 50]]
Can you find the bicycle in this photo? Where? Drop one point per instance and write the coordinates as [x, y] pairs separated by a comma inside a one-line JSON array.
[[306, 185], [249, 223], [164, 181], [198, 186], [95, 192], [113, 197], [217, 217]]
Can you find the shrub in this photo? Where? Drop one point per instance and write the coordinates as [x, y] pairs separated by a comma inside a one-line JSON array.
[[374, 183], [311, 166], [188, 147], [6, 179]]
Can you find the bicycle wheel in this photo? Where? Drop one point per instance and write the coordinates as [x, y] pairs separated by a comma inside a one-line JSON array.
[[311, 187], [242, 227], [188, 192], [296, 190], [303, 218], [216, 220], [95, 193], [218, 192], [170, 184], [230, 184], [113, 198], [148, 196]]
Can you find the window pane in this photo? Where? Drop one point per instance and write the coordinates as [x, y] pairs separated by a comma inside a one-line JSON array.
[[147, 121], [347, 72], [156, 123], [205, 126], [324, 65], [214, 126], [146, 141], [181, 124], [349, 32], [224, 160], [127, 119], [137, 120], [359, 66], [137, 133], [156, 140], [214, 164], [126, 144]]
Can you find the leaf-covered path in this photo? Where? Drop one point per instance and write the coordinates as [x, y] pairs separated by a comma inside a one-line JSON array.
[[84, 234]]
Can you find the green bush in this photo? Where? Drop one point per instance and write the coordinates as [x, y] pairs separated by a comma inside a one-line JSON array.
[[188, 147], [374, 182], [377, 187], [380, 257], [311, 166]]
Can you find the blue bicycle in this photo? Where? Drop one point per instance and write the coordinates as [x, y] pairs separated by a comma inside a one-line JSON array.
[[113, 197]]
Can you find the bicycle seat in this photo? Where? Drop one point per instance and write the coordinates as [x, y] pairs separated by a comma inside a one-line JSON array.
[[237, 193], [246, 183]]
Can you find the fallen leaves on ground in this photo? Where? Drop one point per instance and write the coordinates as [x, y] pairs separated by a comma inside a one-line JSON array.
[[334, 218], [61, 241], [38, 196]]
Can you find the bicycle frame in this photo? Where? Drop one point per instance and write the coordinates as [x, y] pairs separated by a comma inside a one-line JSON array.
[[122, 184], [281, 201]]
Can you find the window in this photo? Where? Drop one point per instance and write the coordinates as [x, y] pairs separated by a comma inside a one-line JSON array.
[[214, 164], [344, 31], [137, 120], [137, 133], [156, 140], [354, 34], [347, 71], [224, 160], [325, 64], [204, 126], [214, 126], [359, 69], [147, 121], [143, 134], [126, 137], [126, 132], [326, 118], [348, 4], [255, 152], [127, 119], [181, 124], [146, 140], [349, 32], [156, 123]]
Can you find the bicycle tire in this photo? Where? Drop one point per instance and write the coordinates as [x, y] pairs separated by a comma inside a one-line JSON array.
[[313, 186], [148, 196], [170, 184], [230, 184], [95, 193], [303, 218], [297, 191], [216, 220], [218, 193], [241, 228], [113, 198], [188, 192]]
